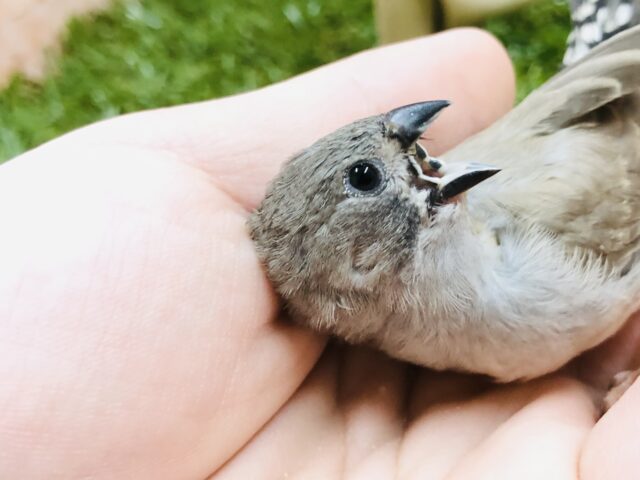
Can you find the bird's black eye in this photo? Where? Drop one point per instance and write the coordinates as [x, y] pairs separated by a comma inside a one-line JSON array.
[[365, 178]]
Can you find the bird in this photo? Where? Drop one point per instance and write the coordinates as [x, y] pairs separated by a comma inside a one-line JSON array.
[[507, 256], [595, 21]]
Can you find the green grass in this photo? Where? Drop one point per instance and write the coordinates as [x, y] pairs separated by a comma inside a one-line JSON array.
[[535, 38], [143, 54]]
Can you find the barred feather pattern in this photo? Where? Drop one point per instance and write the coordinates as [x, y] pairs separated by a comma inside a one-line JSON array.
[[594, 21]]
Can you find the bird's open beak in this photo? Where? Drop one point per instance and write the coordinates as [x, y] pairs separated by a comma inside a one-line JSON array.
[[407, 123], [457, 178]]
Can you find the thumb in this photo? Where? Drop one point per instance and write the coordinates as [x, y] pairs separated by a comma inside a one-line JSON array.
[[242, 140]]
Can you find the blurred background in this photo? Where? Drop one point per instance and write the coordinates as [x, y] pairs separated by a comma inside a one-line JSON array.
[[67, 63]]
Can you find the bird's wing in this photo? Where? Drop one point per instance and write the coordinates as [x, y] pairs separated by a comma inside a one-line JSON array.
[[570, 153]]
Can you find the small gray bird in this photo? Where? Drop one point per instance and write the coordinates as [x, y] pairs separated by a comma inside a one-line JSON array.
[[508, 270]]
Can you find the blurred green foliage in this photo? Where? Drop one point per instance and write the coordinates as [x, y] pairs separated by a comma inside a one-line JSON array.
[[536, 39], [144, 54]]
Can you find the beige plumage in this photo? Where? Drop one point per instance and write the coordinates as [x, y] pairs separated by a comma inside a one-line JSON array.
[[571, 154], [514, 278]]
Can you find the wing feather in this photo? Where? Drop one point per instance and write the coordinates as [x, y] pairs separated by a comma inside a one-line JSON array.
[[570, 154]]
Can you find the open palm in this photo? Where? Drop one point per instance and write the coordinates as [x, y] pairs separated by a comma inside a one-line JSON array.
[[139, 337]]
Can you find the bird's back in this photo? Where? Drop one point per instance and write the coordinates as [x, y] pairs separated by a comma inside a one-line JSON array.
[[570, 155]]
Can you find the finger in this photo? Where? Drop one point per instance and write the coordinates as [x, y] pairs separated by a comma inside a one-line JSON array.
[[372, 396], [303, 440], [449, 423], [542, 440], [433, 388], [243, 140], [611, 450], [598, 366], [458, 435], [345, 421]]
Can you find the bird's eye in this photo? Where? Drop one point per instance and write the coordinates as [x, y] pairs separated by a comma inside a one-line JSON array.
[[365, 178]]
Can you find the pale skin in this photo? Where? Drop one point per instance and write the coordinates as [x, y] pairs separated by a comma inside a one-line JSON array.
[[139, 337]]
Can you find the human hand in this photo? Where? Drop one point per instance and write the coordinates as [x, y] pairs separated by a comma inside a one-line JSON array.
[[140, 339]]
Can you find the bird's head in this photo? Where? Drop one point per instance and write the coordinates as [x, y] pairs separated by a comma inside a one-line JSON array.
[[343, 218]]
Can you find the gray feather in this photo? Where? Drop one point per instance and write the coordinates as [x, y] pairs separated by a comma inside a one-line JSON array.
[[531, 267], [579, 138], [595, 21]]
